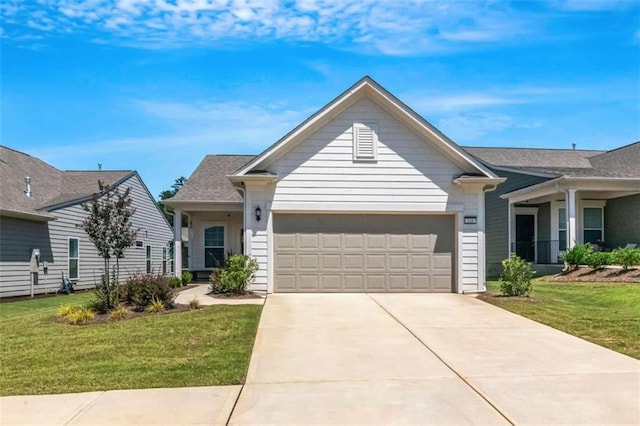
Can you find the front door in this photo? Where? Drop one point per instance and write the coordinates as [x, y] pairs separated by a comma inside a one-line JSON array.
[[525, 237]]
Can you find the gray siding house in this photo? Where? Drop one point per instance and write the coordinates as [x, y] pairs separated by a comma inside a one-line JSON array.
[[556, 198], [43, 214]]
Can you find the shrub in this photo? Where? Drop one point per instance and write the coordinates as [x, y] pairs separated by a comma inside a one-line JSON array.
[[155, 306], [105, 295], [626, 257], [194, 303], [118, 313], [186, 277], [598, 259], [75, 314], [65, 310], [176, 282], [577, 255], [233, 278], [141, 289], [516, 277]]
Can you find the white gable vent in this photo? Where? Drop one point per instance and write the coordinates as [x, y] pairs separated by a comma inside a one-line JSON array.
[[365, 141]]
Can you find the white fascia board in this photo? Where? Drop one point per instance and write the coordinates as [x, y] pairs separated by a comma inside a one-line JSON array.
[[410, 117], [373, 208], [310, 122]]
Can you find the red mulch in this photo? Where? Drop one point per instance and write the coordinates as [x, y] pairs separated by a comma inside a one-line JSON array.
[[611, 274]]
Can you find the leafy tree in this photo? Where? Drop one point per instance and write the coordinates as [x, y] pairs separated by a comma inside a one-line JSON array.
[[108, 225], [168, 193]]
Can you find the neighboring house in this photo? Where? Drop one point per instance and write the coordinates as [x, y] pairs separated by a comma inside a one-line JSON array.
[[41, 209], [365, 195], [555, 198]]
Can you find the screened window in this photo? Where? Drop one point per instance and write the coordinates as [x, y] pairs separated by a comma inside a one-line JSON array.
[[74, 258], [148, 259], [562, 229], [592, 224], [214, 247]]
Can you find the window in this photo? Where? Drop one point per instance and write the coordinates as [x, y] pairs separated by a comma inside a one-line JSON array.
[[74, 258], [214, 247], [562, 229], [148, 259], [592, 224], [365, 141], [164, 260]]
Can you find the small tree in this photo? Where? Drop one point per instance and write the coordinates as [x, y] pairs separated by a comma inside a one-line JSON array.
[[109, 228]]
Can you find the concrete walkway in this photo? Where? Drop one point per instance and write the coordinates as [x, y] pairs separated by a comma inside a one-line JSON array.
[[426, 359], [177, 406], [200, 292]]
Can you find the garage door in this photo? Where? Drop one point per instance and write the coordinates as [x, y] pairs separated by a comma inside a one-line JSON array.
[[358, 253]]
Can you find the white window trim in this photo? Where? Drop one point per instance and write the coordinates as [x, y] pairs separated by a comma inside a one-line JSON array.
[[515, 211], [69, 258], [356, 149], [555, 226], [165, 261], [148, 258], [205, 226], [590, 204]]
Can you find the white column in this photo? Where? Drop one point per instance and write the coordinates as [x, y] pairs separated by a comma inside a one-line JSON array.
[[177, 243], [572, 235], [510, 228], [482, 276]]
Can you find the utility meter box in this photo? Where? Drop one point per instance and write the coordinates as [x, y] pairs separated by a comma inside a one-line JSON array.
[[35, 260]]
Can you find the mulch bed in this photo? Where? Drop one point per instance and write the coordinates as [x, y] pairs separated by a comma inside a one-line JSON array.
[[602, 275], [247, 295]]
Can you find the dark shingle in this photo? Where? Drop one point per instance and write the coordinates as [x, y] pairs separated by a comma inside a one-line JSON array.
[[49, 185], [209, 181], [623, 162]]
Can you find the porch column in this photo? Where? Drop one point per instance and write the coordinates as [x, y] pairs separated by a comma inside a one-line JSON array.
[[177, 243], [572, 234], [510, 231]]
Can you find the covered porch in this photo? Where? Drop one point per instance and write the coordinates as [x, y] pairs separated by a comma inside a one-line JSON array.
[[547, 219], [213, 232]]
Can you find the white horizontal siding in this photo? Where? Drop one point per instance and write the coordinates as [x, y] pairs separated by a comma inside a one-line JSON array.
[[154, 231], [409, 171]]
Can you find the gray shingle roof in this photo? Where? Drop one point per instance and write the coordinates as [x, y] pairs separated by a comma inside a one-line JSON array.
[[49, 185], [622, 162], [209, 181]]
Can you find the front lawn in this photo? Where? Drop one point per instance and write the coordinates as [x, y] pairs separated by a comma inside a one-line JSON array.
[[605, 314], [204, 347]]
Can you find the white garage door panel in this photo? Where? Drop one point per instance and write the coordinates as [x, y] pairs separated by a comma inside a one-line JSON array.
[[357, 253]]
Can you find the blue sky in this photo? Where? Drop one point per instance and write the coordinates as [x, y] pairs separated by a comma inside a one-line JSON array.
[[154, 85]]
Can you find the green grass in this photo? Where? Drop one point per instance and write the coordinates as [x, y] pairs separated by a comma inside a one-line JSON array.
[[605, 314], [209, 346]]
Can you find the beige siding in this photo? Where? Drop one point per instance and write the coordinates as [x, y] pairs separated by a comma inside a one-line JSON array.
[[154, 231], [410, 174]]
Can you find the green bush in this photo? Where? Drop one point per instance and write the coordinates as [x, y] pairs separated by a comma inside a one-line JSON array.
[[142, 289], [238, 271], [577, 255], [516, 276], [105, 296], [598, 259], [186, 277], [626, 257], [176, 282]]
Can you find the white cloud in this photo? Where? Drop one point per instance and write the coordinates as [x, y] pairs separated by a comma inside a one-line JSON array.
[[392, 27]]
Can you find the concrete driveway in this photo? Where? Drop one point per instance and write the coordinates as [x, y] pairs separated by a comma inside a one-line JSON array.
[[426, 359]]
